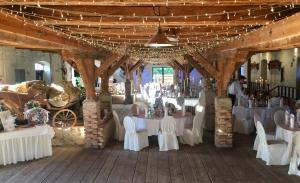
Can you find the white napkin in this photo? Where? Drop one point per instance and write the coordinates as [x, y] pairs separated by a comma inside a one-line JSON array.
[[287, 117], [281, 102], [292, 120], [269, 104], [183, 109], [250, 103]]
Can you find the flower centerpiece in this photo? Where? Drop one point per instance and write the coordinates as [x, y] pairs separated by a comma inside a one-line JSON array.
[[35, 114]]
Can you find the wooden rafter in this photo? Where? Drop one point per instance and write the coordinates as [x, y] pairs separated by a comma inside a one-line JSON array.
[[203, 62], [106, 64], [114, 67], [150, 3], [198, 67], [38, 35], [135, 66], [282, 34]]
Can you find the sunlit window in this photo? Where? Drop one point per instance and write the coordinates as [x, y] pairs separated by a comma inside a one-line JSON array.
[[162, 74], [38, 67]]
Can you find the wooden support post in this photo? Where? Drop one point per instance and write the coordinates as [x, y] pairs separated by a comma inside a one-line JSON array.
[[105, 84], [175, 76], [248, 74], [139, 79]]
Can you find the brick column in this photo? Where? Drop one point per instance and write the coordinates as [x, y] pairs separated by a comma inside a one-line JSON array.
[[91, 117], [223, 126]]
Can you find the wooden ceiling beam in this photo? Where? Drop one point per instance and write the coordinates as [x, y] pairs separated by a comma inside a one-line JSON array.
[[43, 36], [149, 3], [135, 66], [106, 64], [283, 34], [114, 67], [179, 23]]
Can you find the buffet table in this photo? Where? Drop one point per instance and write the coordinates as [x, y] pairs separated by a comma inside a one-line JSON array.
[[25, 144], [152, 125]]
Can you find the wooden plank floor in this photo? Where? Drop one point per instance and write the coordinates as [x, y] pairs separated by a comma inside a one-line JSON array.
[[203, 163]]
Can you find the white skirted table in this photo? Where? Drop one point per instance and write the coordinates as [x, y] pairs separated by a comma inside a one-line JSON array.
[[152, 125], [25, 144], [284, 132]]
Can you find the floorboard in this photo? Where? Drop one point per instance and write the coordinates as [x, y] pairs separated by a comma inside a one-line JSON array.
[[202, 163]]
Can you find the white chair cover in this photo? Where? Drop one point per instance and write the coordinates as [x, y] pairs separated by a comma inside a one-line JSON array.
[[120, 130], [243, 122], [167, 139], [272, 154], [202, 99], [269, 136], [194, 135], [295, 157], [134, 140], [279, 116]]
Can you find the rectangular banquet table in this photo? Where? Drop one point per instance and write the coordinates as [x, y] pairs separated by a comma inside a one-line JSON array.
[[25, 144], [152, 125]]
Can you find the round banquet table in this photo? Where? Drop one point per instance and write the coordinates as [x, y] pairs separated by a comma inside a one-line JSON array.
[[25, 144], [284, 132], [152, 125]]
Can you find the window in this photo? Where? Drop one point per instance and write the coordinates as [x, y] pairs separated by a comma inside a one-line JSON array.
[[162, 74], [39, 67]]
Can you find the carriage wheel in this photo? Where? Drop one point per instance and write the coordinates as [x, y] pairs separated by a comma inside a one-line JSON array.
[[64, 118]]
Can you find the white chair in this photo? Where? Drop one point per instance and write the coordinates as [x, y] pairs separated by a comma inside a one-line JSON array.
[[295, 157], [120, 130], [269, 136], [243, 122], [194, 135], [134, 140], [279, 116], [138, 108], [272, 152], [167, 139]]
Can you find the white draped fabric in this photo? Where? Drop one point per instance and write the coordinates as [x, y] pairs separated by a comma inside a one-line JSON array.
[[243, 122], [194, 136], [153, 125], [167, 139], [295, 157], [25, 144], [120, 130], [134, 139], [285, 133], [272, 153]]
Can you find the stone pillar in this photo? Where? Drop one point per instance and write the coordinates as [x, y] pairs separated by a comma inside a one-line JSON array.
[[223, 126], [128, 96], [91, 117]]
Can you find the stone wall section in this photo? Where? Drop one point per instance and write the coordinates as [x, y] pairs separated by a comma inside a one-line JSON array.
[[223, 126]]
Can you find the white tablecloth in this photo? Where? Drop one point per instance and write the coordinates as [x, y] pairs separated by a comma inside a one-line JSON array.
[[153, 125], [285, 133], [25, 144]]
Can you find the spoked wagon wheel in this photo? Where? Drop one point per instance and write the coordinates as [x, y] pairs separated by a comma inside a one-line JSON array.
[[64, 118]]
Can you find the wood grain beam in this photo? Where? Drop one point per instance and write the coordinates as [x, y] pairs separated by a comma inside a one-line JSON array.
[[198, 67], [106, 64], [114, 67], [16, 26], [135, 66], [178, 23], [203, 62], [284, 33], [179, 66], [149, 3]]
